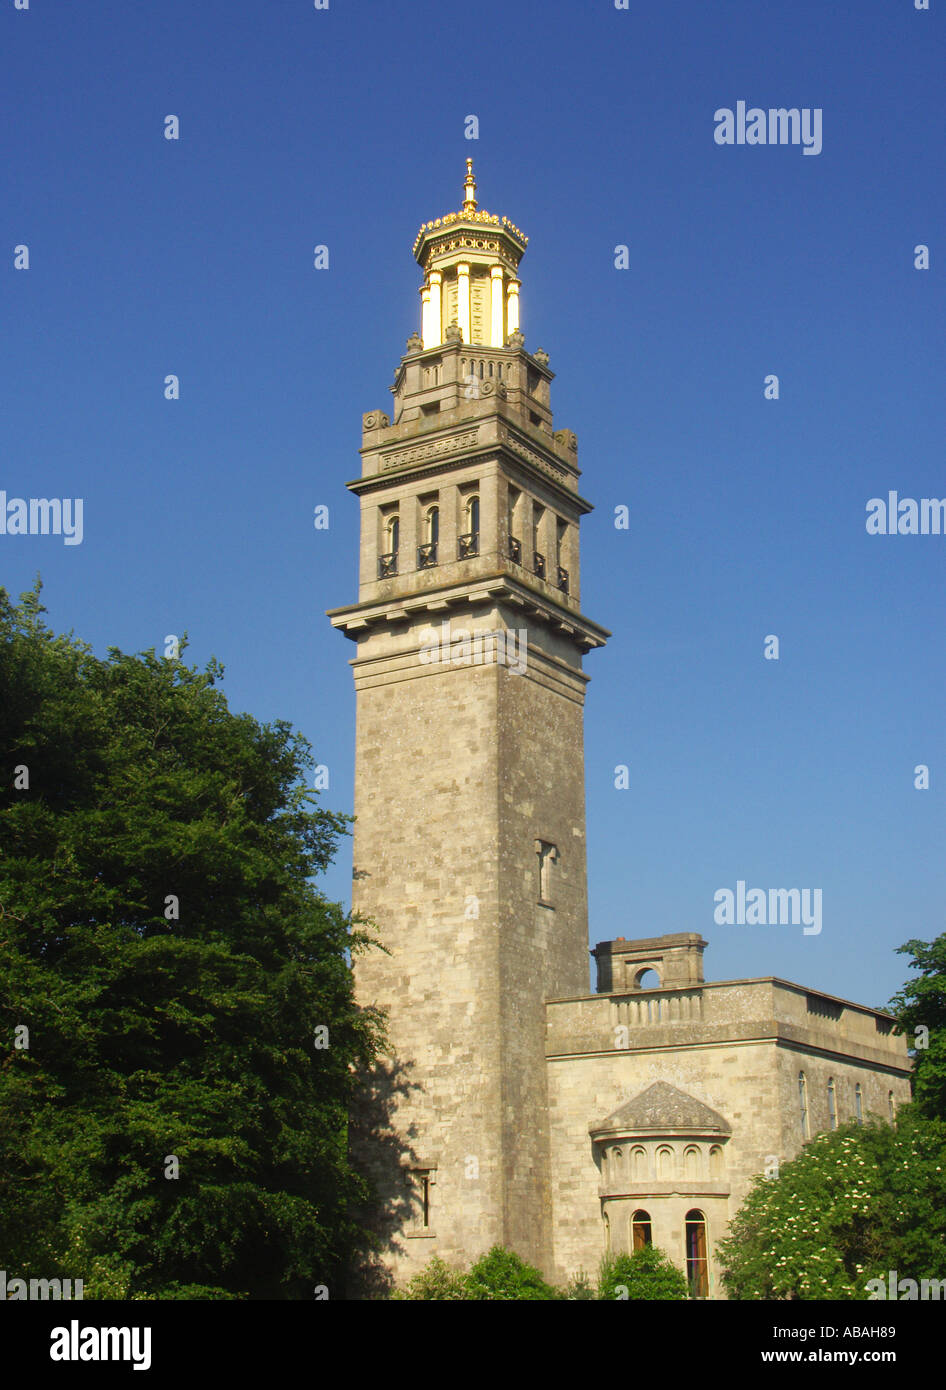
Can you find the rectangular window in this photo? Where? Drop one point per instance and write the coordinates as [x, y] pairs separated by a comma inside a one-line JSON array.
[[548, 855]]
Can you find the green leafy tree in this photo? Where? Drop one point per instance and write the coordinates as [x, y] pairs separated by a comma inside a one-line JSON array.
[[920, 1009], [854, 1204], [179, 1042], [436, 1281], [501, 1274], [580, 1288], [647, 1274]]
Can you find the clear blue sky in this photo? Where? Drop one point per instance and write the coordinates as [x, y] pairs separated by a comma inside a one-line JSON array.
[[346, 127]]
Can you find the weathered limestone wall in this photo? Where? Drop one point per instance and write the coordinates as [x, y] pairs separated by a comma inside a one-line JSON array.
[[543, 948], [425, 839], [460, 770]]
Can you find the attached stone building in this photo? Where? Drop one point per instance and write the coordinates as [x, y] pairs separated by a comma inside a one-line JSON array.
[[665, 1102], [515, 1108]]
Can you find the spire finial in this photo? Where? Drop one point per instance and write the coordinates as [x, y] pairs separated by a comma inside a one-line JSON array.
[[469, 189]]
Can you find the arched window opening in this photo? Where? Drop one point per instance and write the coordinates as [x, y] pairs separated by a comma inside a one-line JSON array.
[[638, 1164], [538, 558], [512, 518], [691, 1162], [387, 560], [427, 552], [890, 1107], [697, 1272], [641, 1231], [561, 573], [858, 1104], [716, 1161], [832, 1105], [803, 1104], [664, 1163], [468, 544]]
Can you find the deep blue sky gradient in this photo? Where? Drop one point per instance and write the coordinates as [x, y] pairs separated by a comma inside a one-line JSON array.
[[345, 127]]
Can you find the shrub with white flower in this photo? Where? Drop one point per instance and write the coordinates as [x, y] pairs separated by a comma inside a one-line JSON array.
[[853, 1204]]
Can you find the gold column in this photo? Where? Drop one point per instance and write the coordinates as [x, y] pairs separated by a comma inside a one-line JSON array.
[[463, 301], [427, 331], [496, 338], [436, 315], [512, 306]]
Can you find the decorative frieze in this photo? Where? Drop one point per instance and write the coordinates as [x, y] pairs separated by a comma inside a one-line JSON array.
[[520, 447], [433, 449]]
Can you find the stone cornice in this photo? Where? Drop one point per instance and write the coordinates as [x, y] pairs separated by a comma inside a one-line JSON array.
[[451, 460], [695, 1037], [720, 984], [500, 588], [670, 1187]]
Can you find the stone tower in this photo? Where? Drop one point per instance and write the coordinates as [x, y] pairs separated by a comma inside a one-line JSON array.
[[469, 841]]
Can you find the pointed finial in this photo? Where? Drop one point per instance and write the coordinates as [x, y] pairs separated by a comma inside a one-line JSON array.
[[469, 189]]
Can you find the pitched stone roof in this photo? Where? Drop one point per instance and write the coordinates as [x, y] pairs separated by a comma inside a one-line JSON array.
[[662, 1109]]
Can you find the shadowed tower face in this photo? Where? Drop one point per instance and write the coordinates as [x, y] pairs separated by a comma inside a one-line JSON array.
[[469, 841]]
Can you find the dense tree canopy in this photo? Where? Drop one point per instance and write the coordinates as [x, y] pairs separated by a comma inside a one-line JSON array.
[[920, 1008], [179, 1038]]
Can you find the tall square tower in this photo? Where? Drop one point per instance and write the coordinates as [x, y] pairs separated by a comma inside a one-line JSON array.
[[469, 839]]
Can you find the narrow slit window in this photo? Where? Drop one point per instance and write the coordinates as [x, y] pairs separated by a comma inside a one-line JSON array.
[[421, 1185]]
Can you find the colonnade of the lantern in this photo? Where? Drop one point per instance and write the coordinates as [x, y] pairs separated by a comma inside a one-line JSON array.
[[503, 307]]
